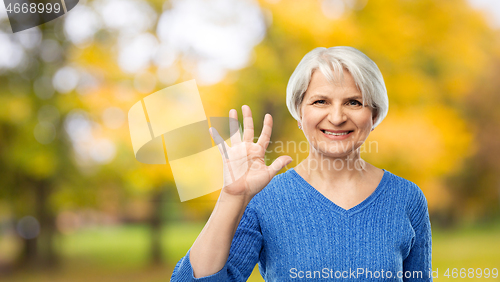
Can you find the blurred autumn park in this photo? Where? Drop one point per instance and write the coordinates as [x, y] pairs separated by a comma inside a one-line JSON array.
[[76, 205]]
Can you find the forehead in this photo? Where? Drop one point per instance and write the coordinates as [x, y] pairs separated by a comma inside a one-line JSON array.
[[320, 85]]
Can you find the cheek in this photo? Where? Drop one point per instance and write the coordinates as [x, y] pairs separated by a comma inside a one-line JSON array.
[[364, 121], [310, 116]]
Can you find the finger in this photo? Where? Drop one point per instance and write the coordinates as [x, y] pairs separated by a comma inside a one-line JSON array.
[[234, 127], [248, 133], [278, 164], [267, 129], [219, 141]]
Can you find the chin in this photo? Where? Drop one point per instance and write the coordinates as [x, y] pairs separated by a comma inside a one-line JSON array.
[[332, 152], [341, 147]]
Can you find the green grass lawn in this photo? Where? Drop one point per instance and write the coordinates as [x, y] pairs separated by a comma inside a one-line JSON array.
[[471, 247], [120, 254]]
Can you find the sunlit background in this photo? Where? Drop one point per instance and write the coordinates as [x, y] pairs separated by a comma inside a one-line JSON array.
[[75, 205]]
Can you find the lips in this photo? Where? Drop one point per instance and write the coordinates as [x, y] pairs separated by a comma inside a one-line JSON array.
[[336, 132]]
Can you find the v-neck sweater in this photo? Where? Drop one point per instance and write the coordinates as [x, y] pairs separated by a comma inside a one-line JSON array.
[[295, 233]]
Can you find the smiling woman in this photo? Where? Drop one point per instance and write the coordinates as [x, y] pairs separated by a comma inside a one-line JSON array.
[[332, 216], [337, 95]]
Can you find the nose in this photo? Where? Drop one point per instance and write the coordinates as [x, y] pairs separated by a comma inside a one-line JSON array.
[[337, 116]]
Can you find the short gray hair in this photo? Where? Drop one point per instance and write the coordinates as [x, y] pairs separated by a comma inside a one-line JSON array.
[[365, 72]]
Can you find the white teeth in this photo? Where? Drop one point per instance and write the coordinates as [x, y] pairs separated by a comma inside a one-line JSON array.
[[336, 134]]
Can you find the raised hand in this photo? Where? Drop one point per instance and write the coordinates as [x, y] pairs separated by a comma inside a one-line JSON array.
[[245, 171]]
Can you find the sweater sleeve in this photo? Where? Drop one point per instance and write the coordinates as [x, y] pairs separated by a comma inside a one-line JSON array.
[[243, 254], [418, 263]]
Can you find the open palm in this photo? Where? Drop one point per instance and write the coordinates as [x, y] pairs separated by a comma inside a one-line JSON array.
[[245, 171]]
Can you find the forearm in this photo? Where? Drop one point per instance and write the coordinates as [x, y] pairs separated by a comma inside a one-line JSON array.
[[210, 251]]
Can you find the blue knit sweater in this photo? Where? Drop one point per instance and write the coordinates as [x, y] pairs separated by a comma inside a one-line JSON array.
[[296, 233]]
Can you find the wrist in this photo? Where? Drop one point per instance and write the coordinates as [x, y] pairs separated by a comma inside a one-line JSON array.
[[241, 199]]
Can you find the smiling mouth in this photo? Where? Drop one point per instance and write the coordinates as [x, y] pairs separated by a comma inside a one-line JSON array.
[[337, 133]]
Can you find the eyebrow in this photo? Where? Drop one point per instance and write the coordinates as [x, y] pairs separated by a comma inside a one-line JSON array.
[[318, 97], [323, 97]]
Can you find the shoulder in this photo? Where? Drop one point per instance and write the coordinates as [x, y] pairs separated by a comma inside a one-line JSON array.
[[412, 196], [405, 188]]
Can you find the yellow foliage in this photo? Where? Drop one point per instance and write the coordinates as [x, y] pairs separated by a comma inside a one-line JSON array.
[[423, 145], [42, 164], [16, 109]]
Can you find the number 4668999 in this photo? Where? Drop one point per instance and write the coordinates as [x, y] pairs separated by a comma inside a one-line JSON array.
[[33, 8], [471, 273]]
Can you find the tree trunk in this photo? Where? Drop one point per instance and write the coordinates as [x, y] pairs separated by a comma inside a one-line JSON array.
[[47, 255], [155, 224], [29, 255]]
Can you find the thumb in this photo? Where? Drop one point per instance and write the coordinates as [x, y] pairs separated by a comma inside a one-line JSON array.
[[279, 163]]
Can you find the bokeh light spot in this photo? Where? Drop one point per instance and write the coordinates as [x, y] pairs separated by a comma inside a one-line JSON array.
[[65, 79], [28, 227], [113, 117], [44, 132]]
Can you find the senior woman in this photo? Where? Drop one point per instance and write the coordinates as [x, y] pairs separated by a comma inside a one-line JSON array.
[[333, 216]]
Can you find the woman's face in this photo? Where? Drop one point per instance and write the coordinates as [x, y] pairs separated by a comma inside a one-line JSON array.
[[334, 120]]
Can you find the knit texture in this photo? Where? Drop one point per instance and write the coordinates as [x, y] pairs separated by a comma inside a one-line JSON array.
[[296, 233]]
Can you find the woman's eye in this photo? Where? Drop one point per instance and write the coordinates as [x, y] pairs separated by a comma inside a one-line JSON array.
[[355, 103], [322, 102]]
